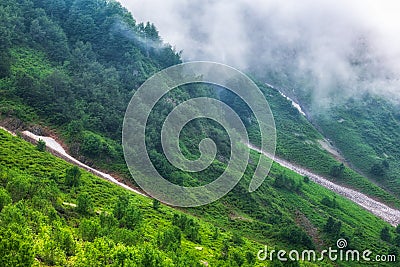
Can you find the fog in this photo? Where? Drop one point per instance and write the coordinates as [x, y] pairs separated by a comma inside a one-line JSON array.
[[332, 50]]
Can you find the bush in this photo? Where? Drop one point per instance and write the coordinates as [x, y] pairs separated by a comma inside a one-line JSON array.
[[132, 217], [156, 204], [188, 226], [96, 146], [121, 206], [385, 234], [237, 239], [73, 176], [16, 246], [41, 145], [284, 182], [332, 226], [126, 237], [337, 171], [84, 205], [89, 229], [108, 221], [19, 187], [377, 170], [331, 203], [5, 198], [296, 235], [170, 239]]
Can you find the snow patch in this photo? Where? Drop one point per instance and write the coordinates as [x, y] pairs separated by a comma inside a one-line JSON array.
[[294, 103], [379, 209], [53, 144]]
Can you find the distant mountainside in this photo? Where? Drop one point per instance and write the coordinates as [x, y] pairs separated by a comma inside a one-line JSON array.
[[69, 69], [367, 132], [364, 128], [357, 112]]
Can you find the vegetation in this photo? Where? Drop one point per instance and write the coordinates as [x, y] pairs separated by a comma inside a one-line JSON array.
[[96, 222], [365, 130], [41, 145], [69, 67], [72, 68], [298, 141], [73, 176]]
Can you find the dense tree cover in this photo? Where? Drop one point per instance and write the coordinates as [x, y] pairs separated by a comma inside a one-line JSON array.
[[97, 55]]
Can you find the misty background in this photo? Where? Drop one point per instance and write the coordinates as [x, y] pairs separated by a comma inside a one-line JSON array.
[[322, 51]]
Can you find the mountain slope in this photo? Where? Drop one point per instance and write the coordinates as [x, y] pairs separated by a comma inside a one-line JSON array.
[[367, 131], [93, 223], [86, 215], [71, 69], [82, 93]]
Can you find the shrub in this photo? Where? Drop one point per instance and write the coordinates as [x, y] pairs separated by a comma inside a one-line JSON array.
[[5, 198], [73, 176], [85, 205], [329, 202], [41, 145], [156, 204], [89, 229], [332, 226], [385, 234], [337, 171], [170, 239]]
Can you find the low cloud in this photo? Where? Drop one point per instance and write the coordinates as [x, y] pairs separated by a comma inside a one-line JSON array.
[[331, 49]]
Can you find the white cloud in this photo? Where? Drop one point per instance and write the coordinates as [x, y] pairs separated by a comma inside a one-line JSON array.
[[311, 42]]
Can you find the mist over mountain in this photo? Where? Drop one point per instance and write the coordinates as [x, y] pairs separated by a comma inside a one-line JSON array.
[[330, 50]]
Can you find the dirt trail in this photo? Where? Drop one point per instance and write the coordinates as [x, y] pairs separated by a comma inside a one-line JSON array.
[[379, 209]]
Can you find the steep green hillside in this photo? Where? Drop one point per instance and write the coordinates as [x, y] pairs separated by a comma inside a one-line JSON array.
[[70, 68], [110, 226], [72, 65], [299, 141], [54, 214], [367, 131]]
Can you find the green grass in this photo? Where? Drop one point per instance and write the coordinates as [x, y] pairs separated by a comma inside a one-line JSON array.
[[230, 214], [20, 159], [81, 96], [261, 216], [366, 132]]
